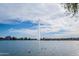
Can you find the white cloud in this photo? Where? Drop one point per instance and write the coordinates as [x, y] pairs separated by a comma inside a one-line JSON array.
[[51, 16], [25, 32], [29, 11], [69, 25]]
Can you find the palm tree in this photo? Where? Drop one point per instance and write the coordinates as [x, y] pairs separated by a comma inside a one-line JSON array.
[[71, 8]]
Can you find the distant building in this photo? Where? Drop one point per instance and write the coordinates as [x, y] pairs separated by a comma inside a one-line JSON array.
[[8, 38]]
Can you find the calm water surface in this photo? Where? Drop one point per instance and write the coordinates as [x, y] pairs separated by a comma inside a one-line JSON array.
[[42, 48]]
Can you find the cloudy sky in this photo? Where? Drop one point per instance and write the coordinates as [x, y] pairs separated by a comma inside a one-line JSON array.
[[21, 20]]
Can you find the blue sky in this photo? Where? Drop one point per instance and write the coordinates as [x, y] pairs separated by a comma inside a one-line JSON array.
[[21, 20], [4, 28]]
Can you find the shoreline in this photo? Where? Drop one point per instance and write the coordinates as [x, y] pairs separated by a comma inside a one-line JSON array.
[[39, 40]]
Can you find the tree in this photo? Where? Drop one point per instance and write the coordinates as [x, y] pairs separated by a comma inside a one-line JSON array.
[[71, 8]]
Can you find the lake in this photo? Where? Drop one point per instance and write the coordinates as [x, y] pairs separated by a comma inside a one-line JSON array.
[[39, 48]]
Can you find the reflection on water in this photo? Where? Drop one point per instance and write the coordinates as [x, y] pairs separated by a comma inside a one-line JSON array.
[[33, 48], [63, 48]]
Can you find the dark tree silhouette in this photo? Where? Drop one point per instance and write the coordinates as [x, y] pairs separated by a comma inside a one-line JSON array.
[[71, 7]]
